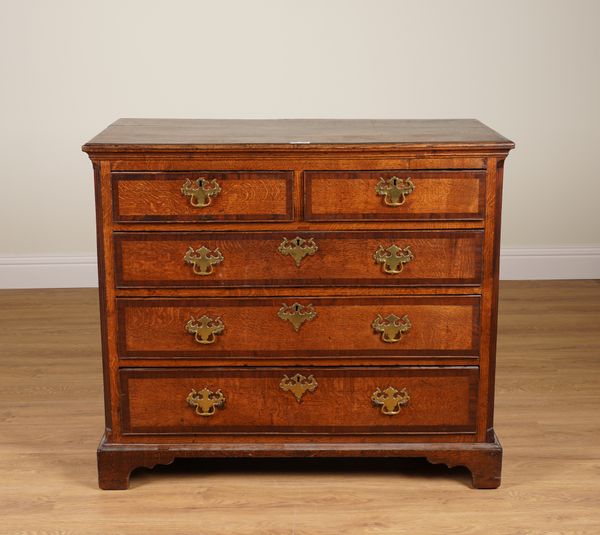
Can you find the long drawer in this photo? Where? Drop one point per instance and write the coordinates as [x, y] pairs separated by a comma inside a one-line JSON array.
[[307, 258], [308, 327], [299, 400], [394, 195], [202, 196]]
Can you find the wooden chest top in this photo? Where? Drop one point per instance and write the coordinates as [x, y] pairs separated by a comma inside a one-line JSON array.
[[388, 134]]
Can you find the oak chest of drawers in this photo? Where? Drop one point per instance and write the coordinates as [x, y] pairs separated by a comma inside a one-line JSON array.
[[298, 288]]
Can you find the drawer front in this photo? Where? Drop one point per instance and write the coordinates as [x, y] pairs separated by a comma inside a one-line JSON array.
[[203, 196], [296, 400], [394, 195], [306, 327], [390, 258]]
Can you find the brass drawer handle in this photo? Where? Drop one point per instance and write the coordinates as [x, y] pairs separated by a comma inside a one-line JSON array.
[[298, 385], [393, 258], [394, 190], [200, 191], [297, 314], [203, 259], [206, 401], [205, 329], [392, 327], [391, 400], [298, 248]]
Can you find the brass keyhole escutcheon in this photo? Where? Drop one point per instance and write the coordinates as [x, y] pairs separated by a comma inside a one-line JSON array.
[[297, 314], [393, 258], [200, 191], [203, 259], [391, 400], [391, 327], [205, 329], [298, 248], [394, 190], [298, 385], [206, 401]]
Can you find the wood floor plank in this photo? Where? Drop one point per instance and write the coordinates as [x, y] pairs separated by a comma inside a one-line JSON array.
[[547, 417]]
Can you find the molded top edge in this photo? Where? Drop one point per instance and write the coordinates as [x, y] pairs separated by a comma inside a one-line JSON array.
[[138, 135]]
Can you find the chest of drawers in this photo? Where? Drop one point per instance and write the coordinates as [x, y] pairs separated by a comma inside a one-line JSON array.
[[298, 288]]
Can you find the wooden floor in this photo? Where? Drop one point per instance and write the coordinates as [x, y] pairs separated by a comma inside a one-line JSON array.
[[548, 419]]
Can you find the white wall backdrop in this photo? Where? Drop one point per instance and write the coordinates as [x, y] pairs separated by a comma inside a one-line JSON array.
[[528, 68]]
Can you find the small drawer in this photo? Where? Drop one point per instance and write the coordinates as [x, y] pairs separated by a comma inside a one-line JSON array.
[[394, 195], [351, 258], [299, 400], [202, 196], [248, 327]]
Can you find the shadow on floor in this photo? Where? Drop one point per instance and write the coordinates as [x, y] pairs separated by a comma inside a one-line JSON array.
[[414, 468]]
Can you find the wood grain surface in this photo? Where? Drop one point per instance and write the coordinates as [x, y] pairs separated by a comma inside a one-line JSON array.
[[342, 327], [243, 196], [185, 133], [51, 408], [151, 260], [352, 196], [442, 400]]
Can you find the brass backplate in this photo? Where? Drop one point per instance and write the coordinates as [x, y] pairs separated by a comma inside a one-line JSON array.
[[298, 385], [205, 329], [200, 191], [391, 327], [206, 401], [394, 190], [393, 258], [298, 248], [297, 314], [203, 259], [391, 400]]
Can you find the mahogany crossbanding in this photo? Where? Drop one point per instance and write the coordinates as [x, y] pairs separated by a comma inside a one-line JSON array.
[[242, 196], [156, 259], [349, 195], [442, 400], [342, 327]]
